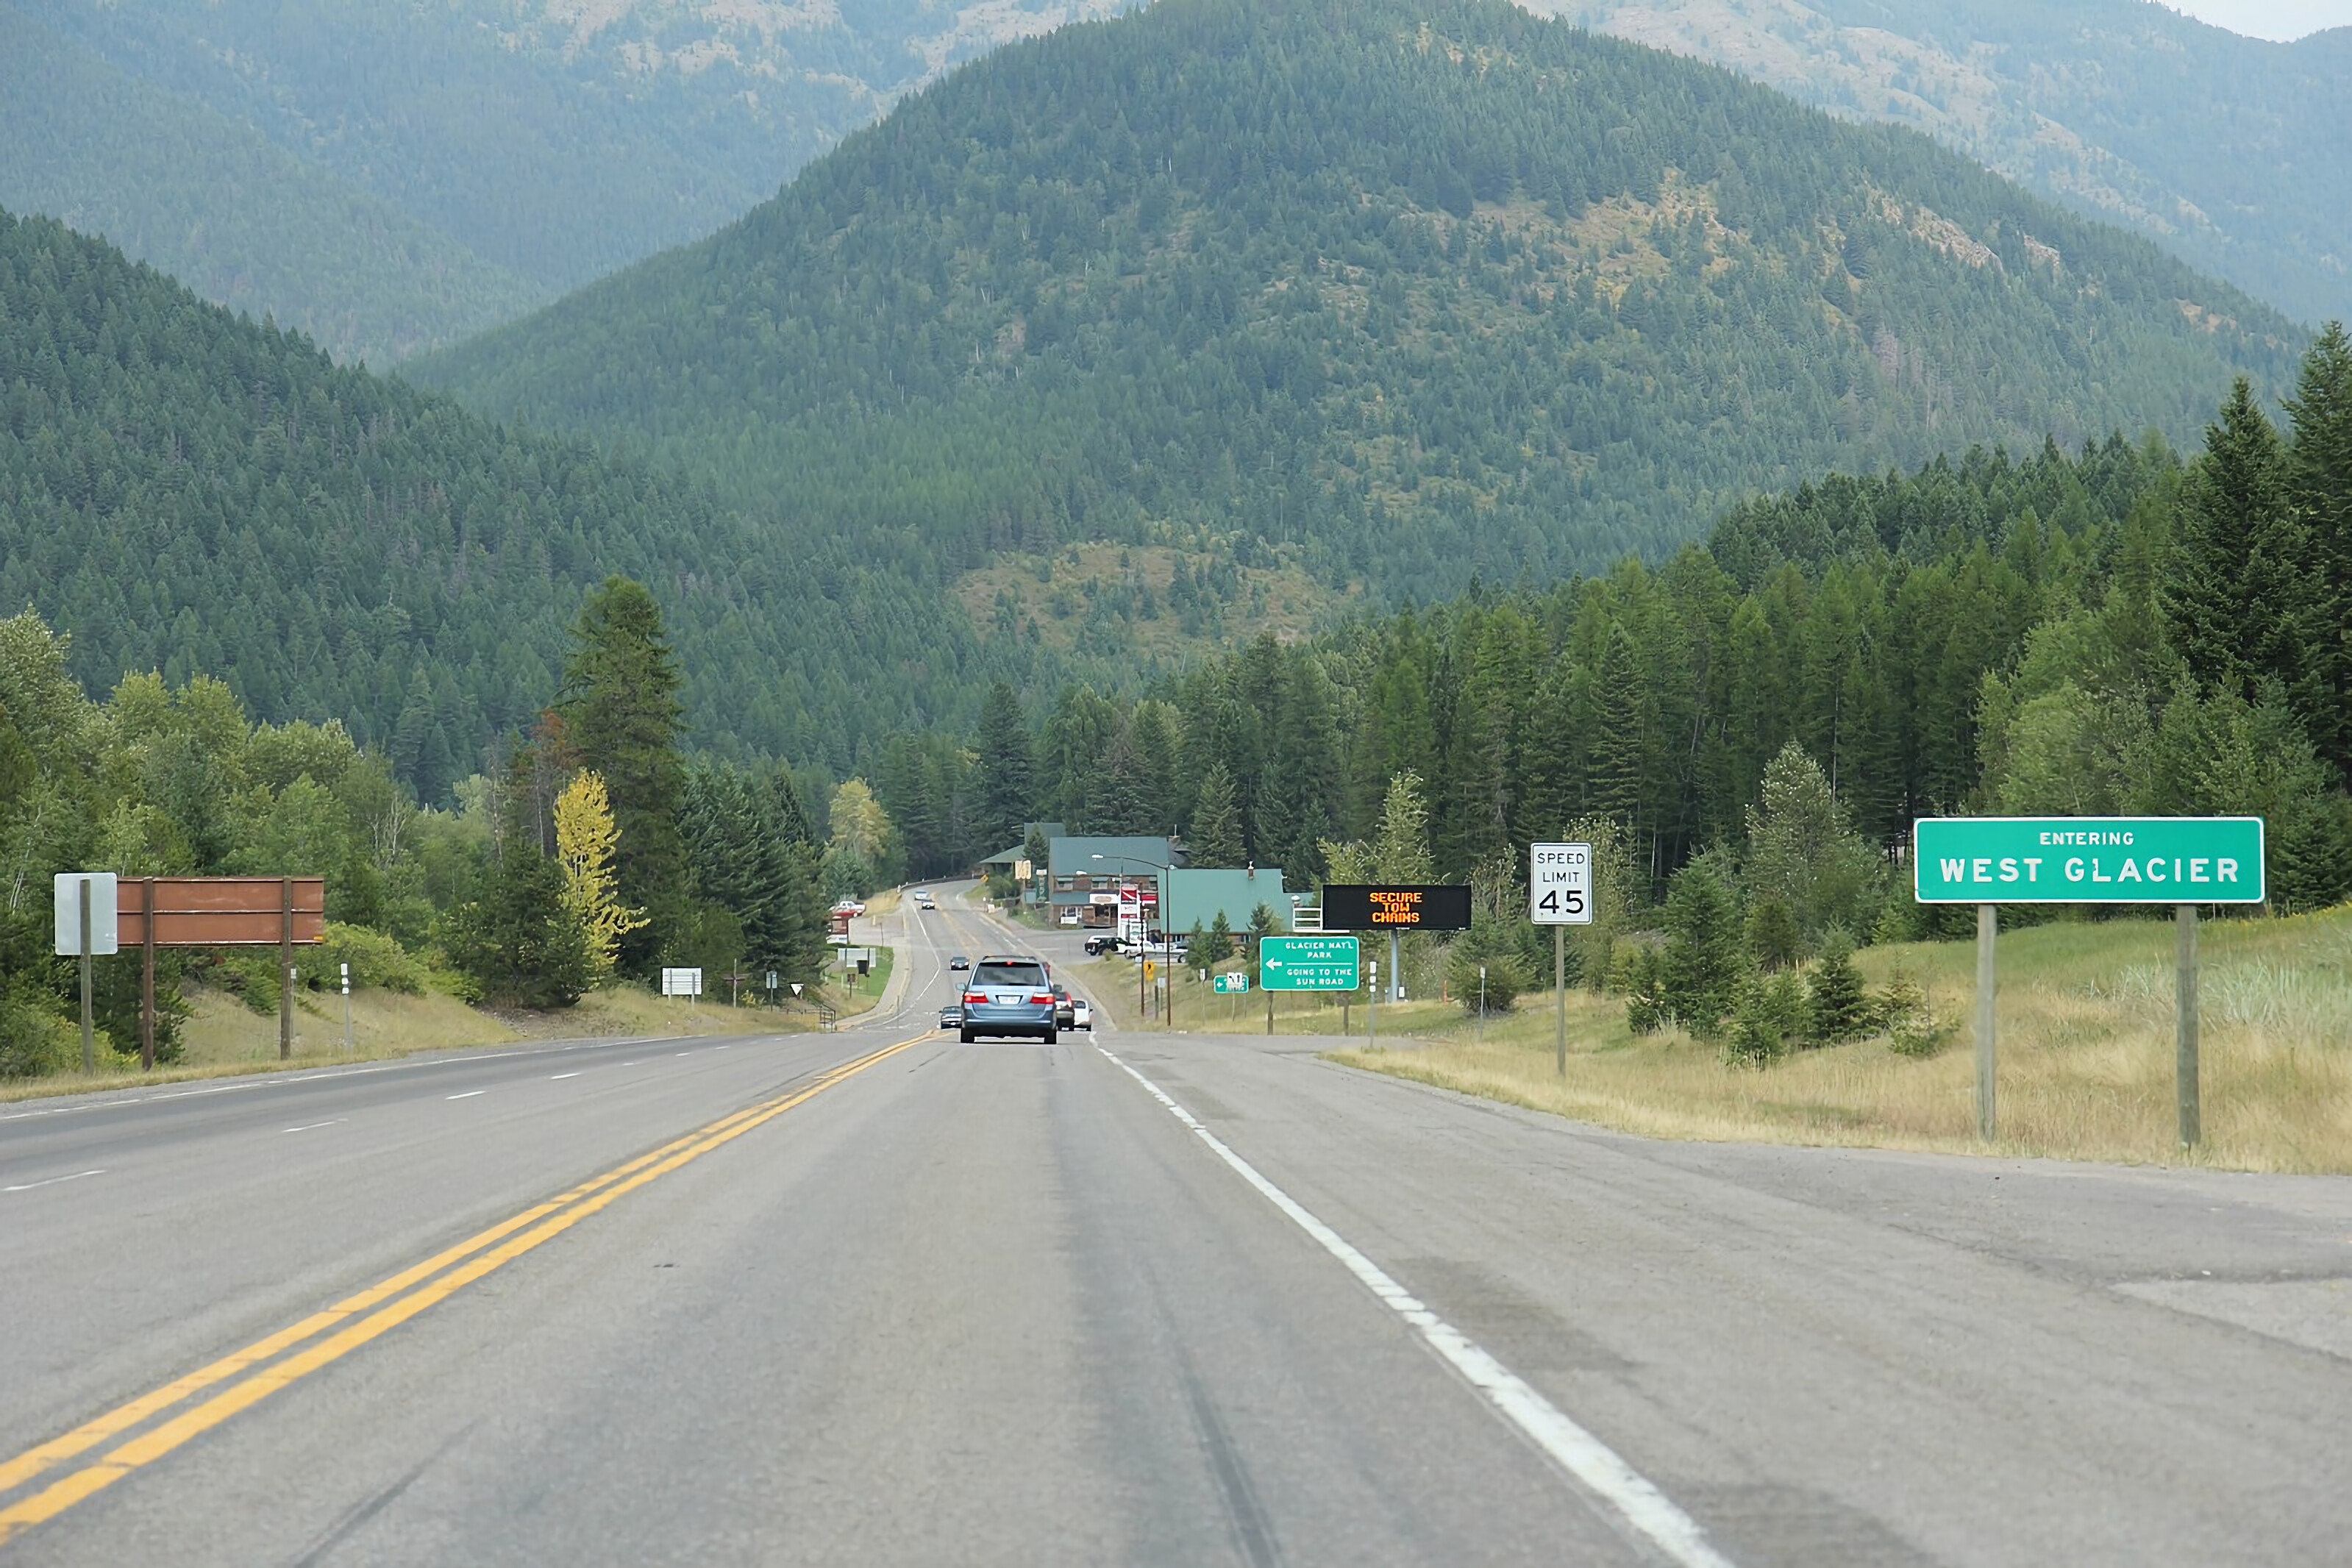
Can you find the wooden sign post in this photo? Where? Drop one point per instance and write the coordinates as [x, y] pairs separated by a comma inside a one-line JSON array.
[[221, 912]]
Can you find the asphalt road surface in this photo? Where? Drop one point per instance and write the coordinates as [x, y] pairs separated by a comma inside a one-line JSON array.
[[879, 1298]]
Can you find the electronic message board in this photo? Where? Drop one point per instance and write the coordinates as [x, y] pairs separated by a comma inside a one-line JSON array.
[[1357, 906]]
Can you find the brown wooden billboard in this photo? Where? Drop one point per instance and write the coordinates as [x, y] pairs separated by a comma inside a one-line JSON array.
[[221, 912], [283, 912]]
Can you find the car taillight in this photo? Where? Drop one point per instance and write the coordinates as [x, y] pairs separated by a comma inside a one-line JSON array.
[[971, 996], [1043, 996]]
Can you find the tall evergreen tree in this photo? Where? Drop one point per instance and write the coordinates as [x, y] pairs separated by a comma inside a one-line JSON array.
[[2319, 486], [1007, 782], [2237, 595], [625, 720], [1215, 839]]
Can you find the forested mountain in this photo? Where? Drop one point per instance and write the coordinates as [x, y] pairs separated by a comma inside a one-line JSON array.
[[1392, 295], [186, 492], [240, 219], [385, 177], [2115, 631], [2227, 149]]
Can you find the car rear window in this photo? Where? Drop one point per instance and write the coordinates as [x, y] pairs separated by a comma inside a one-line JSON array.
[[1027, 975]]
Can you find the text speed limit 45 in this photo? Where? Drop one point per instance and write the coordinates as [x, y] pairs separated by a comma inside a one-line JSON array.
[[1559, 884]]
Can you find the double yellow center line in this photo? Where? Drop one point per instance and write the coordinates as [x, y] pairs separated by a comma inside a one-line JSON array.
[[353, 1321]]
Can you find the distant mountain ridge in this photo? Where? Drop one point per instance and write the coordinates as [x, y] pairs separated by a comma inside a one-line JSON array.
[[388, 177], [2229, 150], [1400, 293]]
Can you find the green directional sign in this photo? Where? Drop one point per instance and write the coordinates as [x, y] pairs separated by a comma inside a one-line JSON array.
[[1236, 981], [2087, 861], [1306, 962]]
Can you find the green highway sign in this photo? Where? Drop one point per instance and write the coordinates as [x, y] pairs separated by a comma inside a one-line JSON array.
[[2087, 861], [1236, 981], [1306, 962]]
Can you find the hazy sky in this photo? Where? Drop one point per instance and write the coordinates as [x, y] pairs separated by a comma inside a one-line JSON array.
[[2280, 19]]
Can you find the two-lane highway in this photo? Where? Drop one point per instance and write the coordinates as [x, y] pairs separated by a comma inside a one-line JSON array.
[[877, 1296]]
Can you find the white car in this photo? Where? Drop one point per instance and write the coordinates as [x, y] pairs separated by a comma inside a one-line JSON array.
[[1082, 1015]]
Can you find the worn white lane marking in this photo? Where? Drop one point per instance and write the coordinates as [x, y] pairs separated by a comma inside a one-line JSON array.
[[468, 1095], [307, 1126], [629, 1064], [52, 1180], [559, 1077], [1583, 1456]]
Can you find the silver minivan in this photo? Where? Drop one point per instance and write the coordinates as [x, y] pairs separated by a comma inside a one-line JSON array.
[[1010, 994]]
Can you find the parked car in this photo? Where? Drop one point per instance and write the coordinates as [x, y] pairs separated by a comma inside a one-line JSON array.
[[951, 1015], [1010, 994], [1102, 941], [1082, 1015], [959, 961]]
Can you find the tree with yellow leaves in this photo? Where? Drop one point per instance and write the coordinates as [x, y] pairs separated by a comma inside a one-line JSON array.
[[585, 839]]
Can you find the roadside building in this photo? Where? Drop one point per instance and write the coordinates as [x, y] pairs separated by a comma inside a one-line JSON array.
[[1088, 875], [1197, 896]]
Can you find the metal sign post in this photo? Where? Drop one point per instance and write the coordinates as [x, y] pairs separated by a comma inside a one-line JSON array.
[[2184, 1043], [89, 1058], [1559, 895], [2090, 860], [85, 904], [1987, 933]]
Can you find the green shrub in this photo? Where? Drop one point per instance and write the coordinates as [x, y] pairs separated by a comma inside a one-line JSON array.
[[35, 1043], [377, 960], [1770, 1012], [1912, 1027], [1490, 945], [1838, 1008], [1643, 983]]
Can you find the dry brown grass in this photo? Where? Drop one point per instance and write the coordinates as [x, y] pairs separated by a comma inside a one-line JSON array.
[[2085, 1056]]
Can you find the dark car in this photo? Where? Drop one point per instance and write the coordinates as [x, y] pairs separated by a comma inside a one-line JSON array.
[[1104, 943], [1010, 994], [959, 961], [1062, 1017], [952, 1016]]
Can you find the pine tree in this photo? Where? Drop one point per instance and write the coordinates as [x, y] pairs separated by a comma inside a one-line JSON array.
[[1006, 766], [1838, 1008], [2319, 488], [625, 719], [1702, 960], [2235, 594], [1613, 789], [1215, 839]]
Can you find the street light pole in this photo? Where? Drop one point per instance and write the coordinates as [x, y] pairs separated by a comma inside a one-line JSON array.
[[1167, 881]]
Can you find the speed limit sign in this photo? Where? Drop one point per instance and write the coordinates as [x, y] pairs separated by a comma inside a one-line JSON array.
[[1559, 884]]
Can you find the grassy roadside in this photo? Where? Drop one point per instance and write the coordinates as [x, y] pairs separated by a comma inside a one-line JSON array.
[[869, 988], [2085, 1055], [223, 1038]]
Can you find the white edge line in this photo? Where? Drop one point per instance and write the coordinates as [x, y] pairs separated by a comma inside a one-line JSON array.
[[468, 1095], [309, 1126], [52, 1182], [562, 1076], [1583, 1456]]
